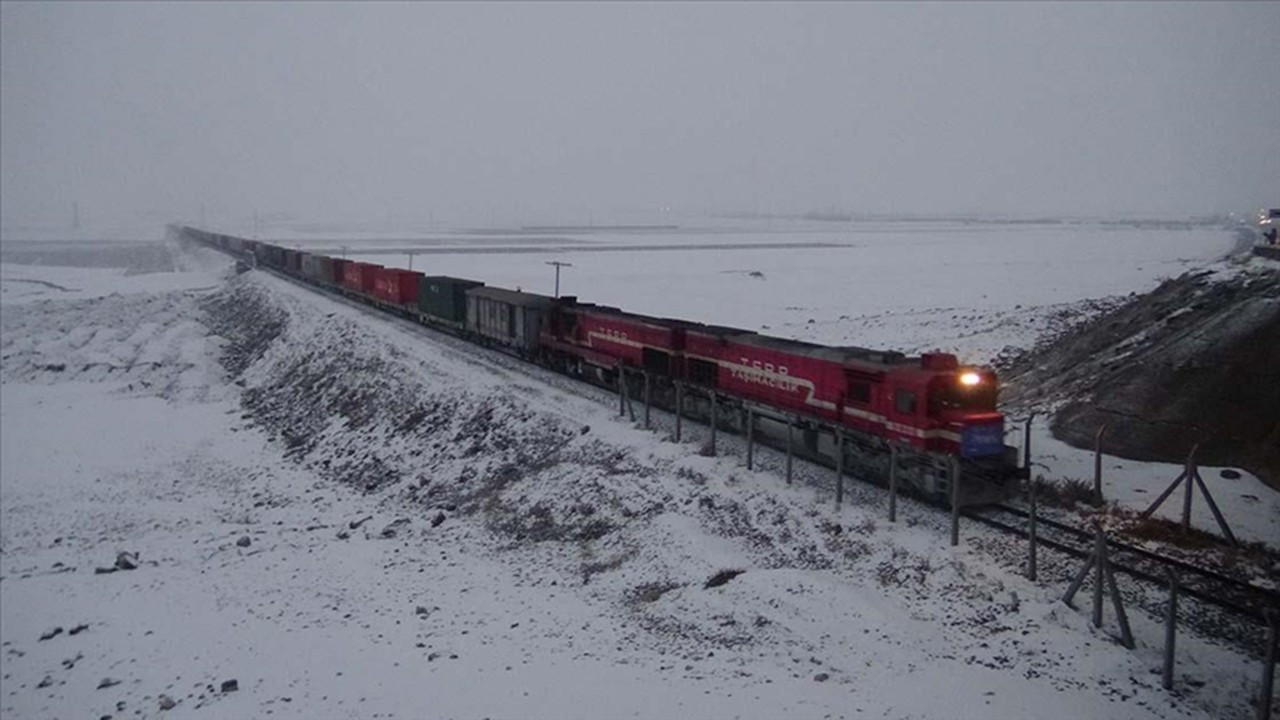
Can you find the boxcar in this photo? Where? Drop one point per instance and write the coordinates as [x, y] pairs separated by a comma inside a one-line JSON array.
[[445, 298], [324, 268], [311, 266], [507, 317]]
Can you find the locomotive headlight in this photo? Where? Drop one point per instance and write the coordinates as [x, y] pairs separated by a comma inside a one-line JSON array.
[[969, 379]]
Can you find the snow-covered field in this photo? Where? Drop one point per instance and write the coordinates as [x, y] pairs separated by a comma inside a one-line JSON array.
[[516, 550], [972, 288]]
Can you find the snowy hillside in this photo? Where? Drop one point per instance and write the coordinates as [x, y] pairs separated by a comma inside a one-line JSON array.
[[335, 514]]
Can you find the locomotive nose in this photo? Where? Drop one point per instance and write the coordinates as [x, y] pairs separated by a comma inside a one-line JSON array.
[[982, 437]]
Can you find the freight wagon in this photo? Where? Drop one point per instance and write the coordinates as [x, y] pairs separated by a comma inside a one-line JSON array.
[[932, 410], [444, 299], [507, 317]]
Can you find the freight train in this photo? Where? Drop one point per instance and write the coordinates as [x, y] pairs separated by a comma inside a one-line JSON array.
[[857, 408]]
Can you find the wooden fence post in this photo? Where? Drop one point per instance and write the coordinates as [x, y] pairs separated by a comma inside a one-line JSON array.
[[714, 422], [839, 467], [1097, 465], [893, 483], [679, 409], [790, 428], [1170, 629], [647, 400], [622, 392], [955, 502], [1268, 667]]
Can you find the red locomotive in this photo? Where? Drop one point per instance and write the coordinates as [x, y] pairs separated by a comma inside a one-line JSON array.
[[929, 404]]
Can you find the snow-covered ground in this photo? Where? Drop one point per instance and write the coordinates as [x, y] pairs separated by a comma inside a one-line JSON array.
[[972, 288], [1252, 509], [525, 552]]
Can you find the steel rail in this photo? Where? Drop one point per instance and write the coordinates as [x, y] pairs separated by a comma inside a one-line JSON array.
[[1222, 591], [1269, 597]]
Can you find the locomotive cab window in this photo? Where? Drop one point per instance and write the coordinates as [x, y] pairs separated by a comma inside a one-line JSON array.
[[565, 323], [860, 392], [904, 401]]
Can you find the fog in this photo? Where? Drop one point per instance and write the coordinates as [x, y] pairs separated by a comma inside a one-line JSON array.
[[475, 114]]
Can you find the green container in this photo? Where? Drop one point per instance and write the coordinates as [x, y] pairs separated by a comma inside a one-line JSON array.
[[444, 297]]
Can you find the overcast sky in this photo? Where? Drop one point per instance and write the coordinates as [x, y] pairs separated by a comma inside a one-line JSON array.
[[527, 112]]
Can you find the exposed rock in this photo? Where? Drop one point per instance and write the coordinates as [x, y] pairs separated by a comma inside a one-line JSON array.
[[230, 686], [167, 703], [722, 577], [52, 634], [107, 682], [244, 541], [46, 682], [1194, 361], [390, 530], [127, 561], [78, 629], [821, 677]]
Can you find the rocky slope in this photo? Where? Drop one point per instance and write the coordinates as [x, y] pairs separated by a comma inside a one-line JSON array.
[[1197, 360]]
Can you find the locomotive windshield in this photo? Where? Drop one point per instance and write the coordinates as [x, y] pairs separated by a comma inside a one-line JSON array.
[[958, 392]]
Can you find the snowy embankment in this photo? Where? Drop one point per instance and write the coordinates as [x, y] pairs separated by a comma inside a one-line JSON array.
[[350, 517]]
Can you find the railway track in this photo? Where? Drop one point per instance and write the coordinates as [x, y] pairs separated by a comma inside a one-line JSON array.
[[1204, 584]]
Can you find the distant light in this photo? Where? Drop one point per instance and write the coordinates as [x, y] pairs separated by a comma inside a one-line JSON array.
[[970, 378]]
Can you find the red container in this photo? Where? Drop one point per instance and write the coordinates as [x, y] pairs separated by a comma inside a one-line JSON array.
[[396, 286], [403, 286], [368, 277], [351, 275]]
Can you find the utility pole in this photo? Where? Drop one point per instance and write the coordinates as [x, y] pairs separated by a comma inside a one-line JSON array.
[[411, 254], [559, 265]]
